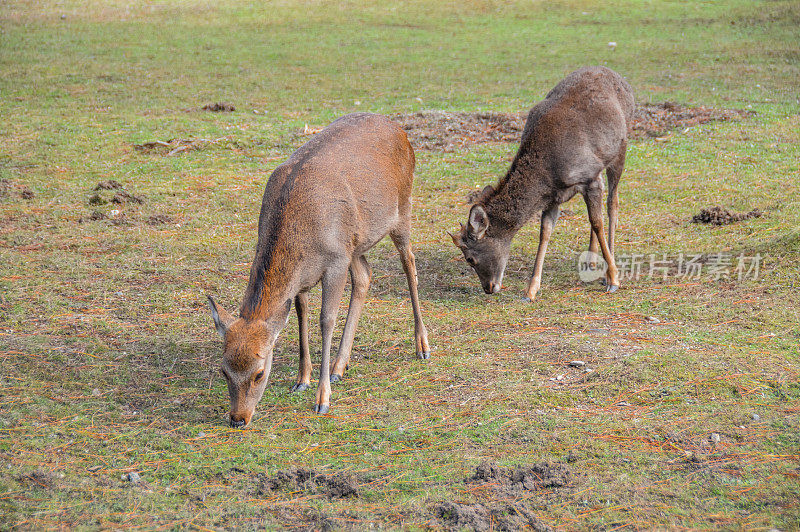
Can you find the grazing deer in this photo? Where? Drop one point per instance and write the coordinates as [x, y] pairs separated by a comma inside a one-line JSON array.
[[577, 131], [334, 198]]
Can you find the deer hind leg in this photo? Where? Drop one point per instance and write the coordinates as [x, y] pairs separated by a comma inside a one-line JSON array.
[[614, 173], [549, 218], [360, 276], [304, 371], [402, 242], [594, 204], [333, 282]]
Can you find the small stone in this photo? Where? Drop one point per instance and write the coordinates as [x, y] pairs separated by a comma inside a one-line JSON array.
[[623, 403], [715, 437], [653, 320], [134, 477], [587, 370], [756, 417], [560, 378], [201, 434], [577, 363]]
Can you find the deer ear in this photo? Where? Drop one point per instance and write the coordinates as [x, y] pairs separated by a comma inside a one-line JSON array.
[[222, 319], [478, 222], [477, 197]]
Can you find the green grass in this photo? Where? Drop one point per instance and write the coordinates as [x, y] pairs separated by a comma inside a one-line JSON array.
[[109, 360]]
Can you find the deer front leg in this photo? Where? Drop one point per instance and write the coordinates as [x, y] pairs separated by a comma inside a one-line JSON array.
[[360, 275], [403, 244], [333, 282], [594, 204], [549, 218], [304, 371]]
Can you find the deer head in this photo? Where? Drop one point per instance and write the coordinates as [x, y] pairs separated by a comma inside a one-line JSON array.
[[486, 254], [246, 359]]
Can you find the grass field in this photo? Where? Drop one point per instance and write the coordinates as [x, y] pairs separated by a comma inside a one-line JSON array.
[[689, 419]]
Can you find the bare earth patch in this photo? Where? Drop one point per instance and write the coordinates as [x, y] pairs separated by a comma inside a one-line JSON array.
[[336, 486], [721, 216], [445, 131], [461, 516]]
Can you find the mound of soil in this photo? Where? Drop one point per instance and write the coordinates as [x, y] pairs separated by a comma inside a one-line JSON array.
[[440, 130], [158, 219], [111, 184], [336, 486], [219, 107], [443, 131], [9, 188], [122, 197], [720, 216], [171, 147], [458, 516], [96, 216], [657, 119], [526, 477]]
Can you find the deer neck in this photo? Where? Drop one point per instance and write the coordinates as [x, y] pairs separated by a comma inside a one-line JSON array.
[[518, 197], [272, 285]]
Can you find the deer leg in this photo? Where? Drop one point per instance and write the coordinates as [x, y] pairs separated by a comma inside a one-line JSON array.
[[594, 204], [304, 371], [593, 249], [360, 276], [549, 218], [403, 244], [614, 173], [333, 282]]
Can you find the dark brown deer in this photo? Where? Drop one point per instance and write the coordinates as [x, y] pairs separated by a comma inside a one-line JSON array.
[[576, 132], [334, 198]]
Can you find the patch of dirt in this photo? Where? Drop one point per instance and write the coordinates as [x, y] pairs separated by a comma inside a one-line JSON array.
[[122, 197], [111, 184], [172, 147], [10, 188], [158, 219], [94, 217], [721, 216], [526, 477], [658, 119], [336, 486], [219, 107], [479, 517], [43, 479], [444, 131]]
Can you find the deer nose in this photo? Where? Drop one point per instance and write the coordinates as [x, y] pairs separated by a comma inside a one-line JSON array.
[[492, 288], [237, 422]]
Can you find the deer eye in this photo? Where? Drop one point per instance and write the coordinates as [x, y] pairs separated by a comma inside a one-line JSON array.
[[222, 372], [259, 376], [471, 261]]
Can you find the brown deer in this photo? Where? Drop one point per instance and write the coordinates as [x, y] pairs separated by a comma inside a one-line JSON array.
[[577, 131], [334, 198]]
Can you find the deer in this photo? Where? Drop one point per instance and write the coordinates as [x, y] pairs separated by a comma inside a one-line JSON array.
[[329, 203], [570, 137]]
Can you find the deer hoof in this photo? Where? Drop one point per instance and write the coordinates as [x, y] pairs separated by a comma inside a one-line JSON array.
[[322, 409], [425, 355], [335, 378], [611, 288], [299, 387], [603, 281]]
